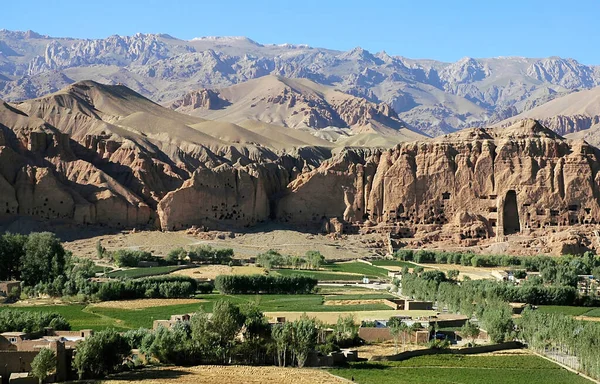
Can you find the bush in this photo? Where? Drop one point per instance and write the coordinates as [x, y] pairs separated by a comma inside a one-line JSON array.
[[101, 354], [151, 287], [131, 258], [424, 256], [242, 284], [13, 320], [404, 254]]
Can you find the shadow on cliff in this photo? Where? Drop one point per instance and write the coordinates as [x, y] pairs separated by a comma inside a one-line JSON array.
[[64, 229]]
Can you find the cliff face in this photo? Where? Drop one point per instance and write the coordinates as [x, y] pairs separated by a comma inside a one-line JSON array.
[[480, 182], [104, 155], [432, 96], [94, 154]]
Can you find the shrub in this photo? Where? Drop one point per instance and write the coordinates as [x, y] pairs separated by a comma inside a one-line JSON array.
[[242, 284]]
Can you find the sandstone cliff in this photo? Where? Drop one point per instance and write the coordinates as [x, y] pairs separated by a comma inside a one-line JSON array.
[[482, 182]]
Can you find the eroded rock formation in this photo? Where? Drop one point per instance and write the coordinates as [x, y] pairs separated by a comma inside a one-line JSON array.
[[481, 183]]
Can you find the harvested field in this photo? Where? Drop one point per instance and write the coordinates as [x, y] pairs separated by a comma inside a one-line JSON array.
[[229, 375], [474, 273], [385, 348], [144, 303], [212, 271], [353, 302], [332, 317]]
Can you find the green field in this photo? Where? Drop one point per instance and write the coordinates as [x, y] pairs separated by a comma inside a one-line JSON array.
[[393, 263], [83, 317], [136, 273], [461, 370], [364, 296], [78, 315], [570, 311], [320, 275], [357, 267]]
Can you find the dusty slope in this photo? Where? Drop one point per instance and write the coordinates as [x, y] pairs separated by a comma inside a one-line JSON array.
[[575, 112], [433, 96], [294, 103]]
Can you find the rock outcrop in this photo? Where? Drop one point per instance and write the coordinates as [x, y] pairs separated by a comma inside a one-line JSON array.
[[105, 155], [429, 95], [294, 103], [480, 183]]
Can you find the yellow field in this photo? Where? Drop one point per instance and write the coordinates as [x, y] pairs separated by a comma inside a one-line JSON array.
[[144, 303], [332, 317], [212, 271], [229, 375], [353, 302]]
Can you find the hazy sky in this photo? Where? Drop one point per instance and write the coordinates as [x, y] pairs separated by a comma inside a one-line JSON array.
[[442, 30]]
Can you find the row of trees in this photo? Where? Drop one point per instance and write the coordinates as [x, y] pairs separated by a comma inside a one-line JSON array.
[[471, 298], [488, 301], [149, 287], [30, 322], [562, 335], [232, 334], [132, 258], [203, 254], [554, 270], [243, 284], [272, 259]]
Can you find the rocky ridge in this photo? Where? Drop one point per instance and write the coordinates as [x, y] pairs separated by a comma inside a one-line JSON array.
[[104, 155], [430, 96], [294, 103]]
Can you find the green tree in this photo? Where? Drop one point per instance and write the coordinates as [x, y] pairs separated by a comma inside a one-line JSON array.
[[304, 338], [43, 364], [216, 336], [44, 259], [177, 256], [314, 259], [100, 250], [282, 335], [345, 331], [497, 320], [100, 354], [12, 250], [470, 330], [453, 274], [398, 331]]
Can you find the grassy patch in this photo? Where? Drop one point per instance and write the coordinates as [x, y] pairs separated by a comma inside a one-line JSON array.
[[77, 315], [393, 263], [595, 312], [366, 296], [319, 275], [81, 316], [461, 369], [566, 310], [135, 273], [357, 267]]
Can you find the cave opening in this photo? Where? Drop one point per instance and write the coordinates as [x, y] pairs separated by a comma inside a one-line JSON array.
[[511, 214]]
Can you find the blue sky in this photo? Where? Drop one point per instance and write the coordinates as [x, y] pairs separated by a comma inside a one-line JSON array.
[[436, 29]]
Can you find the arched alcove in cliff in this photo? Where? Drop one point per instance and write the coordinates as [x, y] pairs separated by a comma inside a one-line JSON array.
[[510, 214]]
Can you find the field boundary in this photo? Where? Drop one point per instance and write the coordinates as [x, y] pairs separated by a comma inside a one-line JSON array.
[[565, 366], [462, 351]]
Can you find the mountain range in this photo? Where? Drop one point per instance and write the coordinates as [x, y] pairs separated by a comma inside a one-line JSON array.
[[427, 96]]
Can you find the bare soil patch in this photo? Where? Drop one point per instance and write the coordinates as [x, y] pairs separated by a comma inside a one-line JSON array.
[[145, 303], [230, 375], [245, 244], [332, 317], [212, 271], [353, 302]]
